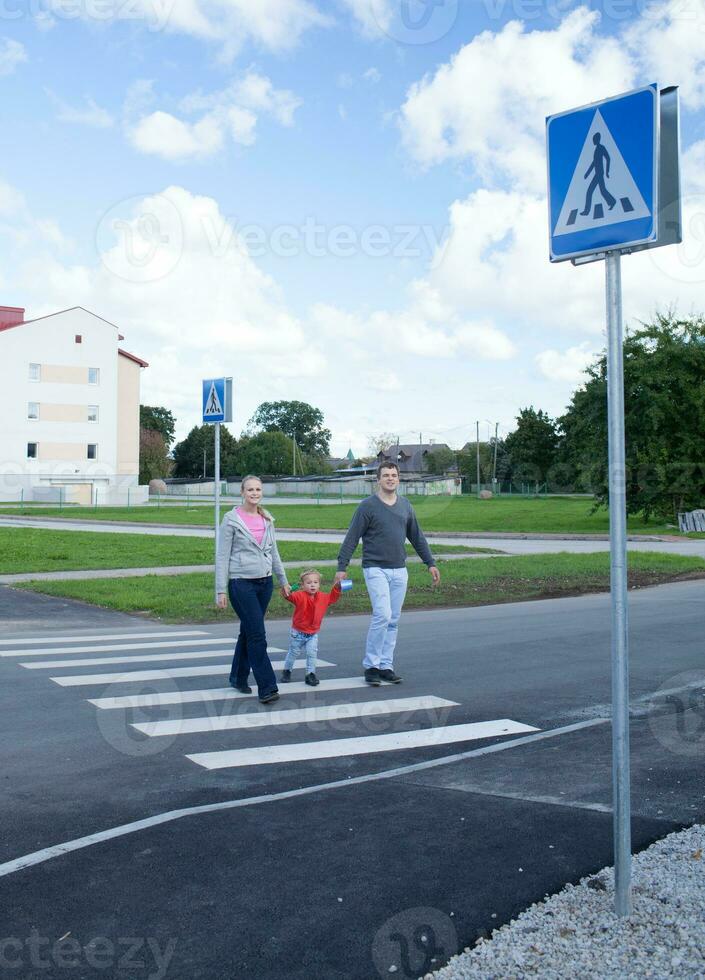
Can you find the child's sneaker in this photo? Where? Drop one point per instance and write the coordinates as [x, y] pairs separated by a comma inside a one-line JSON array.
[[286, 676], [312, 680]]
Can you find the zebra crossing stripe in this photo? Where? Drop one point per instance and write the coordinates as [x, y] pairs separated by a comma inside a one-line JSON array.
[[293, 716], [133, 676], [113, 648], [94, 639], [150, 659], [220, 694], [334, 748]]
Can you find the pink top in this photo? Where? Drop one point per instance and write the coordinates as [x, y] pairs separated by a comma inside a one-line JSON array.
[[255, 524]]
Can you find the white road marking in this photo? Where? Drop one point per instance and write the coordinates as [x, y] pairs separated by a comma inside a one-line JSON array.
[[49, 638], [293, 716], [150, 659], [112, 648], [78, 843], [129, 677], [220, 694], [334, 748]]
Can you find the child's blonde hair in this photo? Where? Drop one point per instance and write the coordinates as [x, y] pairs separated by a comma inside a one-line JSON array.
[[309, 571]]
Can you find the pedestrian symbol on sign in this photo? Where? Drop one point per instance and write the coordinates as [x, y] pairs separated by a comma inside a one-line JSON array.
[[602, 164], [213, 405]]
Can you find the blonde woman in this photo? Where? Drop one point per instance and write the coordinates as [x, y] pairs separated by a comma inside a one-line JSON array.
[[247, 554]]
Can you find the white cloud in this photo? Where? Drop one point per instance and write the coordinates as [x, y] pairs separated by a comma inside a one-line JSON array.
[[162, 134], [12, 54], [668, 44], [373, 16], [693, 168], [90, 114], [568, 365], [372, 75], [276, 25], [479, 107], [230, 112]]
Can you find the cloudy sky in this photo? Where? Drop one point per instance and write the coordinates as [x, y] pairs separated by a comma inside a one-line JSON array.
[[340, 202]]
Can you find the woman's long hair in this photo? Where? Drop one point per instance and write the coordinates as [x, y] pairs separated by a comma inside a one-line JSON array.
[[260, 510]]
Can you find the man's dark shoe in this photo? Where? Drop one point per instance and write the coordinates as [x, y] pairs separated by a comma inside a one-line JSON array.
[[372, 676], [389, 676], [242, 688], [312, 680], [270, 698], [286, 676]]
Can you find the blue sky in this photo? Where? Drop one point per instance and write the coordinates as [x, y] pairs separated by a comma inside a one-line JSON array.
[[325, 203]]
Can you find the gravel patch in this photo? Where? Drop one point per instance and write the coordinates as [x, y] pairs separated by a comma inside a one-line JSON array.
[[576, 934]]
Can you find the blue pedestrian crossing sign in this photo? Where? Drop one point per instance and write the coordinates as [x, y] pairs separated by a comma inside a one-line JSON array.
[[603, 175], [217, 400]]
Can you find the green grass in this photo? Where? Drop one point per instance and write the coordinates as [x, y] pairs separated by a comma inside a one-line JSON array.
[[557, 515], [41, 550], [189, 598]]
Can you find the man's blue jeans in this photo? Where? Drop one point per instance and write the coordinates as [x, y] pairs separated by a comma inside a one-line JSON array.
[[250, 598], [301, 644], [387, 588]]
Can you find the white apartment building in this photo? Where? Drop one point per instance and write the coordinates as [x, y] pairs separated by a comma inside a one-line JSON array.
[[69, 410]]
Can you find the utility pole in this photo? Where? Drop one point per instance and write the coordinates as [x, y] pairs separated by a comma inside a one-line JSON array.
[[420, 453], [204, 462], [494, 464], [478, 458], [293, 449]]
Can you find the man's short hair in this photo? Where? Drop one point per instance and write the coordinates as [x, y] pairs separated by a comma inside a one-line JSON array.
[[387, 466]]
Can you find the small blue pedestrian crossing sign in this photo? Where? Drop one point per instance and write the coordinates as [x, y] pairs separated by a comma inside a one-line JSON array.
[[217, 400], [602, 175]]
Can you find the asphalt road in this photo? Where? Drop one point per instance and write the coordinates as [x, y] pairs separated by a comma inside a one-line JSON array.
[[362, 861]]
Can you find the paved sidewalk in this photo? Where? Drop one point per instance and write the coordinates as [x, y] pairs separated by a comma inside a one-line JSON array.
[[186, 569]]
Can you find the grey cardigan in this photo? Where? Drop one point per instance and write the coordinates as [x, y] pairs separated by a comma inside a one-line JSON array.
[[239, 555]]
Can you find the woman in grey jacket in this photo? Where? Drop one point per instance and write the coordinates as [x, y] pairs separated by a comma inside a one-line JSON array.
[[247, 554]]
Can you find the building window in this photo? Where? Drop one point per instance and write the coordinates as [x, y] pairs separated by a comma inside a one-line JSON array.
[[93, 376], [92, 450], [92, 413], [32, 448], [35, 372], [79, 338], [32, 410]]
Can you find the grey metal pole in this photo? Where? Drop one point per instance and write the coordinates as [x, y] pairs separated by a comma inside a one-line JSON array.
[[494, 464], [618, 577], [477, 444], [217, 495]]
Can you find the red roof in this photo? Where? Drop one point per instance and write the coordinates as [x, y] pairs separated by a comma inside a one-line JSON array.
[[11, 316], [133, 357]]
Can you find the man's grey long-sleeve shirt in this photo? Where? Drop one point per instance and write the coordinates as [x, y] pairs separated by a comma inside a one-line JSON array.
[[384, 529]]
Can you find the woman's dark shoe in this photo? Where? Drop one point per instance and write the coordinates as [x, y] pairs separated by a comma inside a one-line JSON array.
[[269, 698], [286, 676], [242, 688], [372, 676], [389, 676], [312, 680]]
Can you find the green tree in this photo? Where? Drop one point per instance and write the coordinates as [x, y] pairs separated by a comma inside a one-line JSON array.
[[664, 404], [154, 462], [439, 461], [268, 452], [158, 419], [189, 454], [297, 420], [533, 447]]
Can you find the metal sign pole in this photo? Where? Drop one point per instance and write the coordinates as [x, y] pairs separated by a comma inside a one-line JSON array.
[[216, 427], [618, 578]]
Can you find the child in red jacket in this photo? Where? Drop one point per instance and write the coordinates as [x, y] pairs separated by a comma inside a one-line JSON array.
[[311, 606]]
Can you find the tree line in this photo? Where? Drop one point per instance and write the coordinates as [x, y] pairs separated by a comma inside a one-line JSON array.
[[664, 378], [664, 393], [281, 438]]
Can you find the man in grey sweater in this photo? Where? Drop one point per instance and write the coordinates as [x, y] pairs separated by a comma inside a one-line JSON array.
[[384, 521]]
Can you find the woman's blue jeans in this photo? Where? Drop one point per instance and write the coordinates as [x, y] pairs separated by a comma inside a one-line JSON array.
[[249, 598]]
